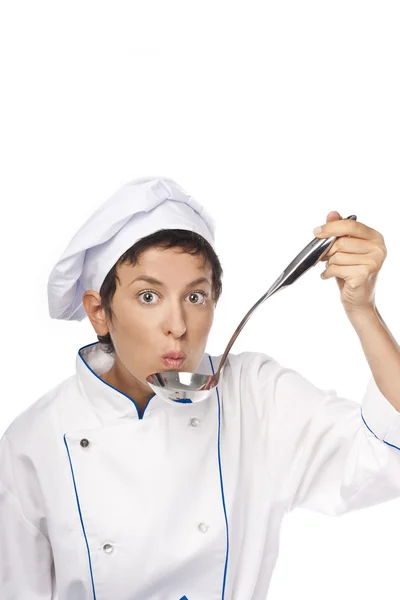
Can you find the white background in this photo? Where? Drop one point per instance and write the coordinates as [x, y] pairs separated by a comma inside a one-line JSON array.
[[271, 114]]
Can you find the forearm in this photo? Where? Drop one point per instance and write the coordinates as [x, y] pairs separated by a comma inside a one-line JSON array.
[[381, 351]]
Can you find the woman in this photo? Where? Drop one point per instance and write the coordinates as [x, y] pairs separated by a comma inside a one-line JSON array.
[[108, 492]]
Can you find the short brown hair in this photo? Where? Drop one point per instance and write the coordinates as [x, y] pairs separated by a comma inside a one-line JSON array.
[[189, 241]]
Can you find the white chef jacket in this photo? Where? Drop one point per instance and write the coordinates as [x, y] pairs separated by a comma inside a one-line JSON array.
[[185, 503]]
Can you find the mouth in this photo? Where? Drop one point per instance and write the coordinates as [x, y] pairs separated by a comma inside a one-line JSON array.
[[175, 363]]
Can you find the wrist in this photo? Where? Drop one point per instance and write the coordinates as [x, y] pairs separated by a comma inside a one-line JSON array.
[[362, 316]]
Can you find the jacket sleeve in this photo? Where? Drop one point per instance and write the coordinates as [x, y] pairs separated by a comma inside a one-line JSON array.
[[339, 455], [26, 565]]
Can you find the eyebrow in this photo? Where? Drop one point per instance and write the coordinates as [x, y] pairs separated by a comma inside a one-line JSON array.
[[155, 281]]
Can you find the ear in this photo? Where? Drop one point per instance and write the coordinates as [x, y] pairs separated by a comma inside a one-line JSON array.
[[92, 302]]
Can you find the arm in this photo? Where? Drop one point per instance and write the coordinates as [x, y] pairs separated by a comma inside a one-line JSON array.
[[339, 456], [381, 351], [350, 458], [25, 553], [328, 453]]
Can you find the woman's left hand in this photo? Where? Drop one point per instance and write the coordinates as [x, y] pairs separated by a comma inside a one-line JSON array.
[[354, 259]]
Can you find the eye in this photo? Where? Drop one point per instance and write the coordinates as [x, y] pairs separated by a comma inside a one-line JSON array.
[[147, 294], [196, 294]]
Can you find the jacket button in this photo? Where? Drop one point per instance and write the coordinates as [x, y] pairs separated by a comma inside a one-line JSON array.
[[84, 443], [194, 422], [107, 548], [203, 527]]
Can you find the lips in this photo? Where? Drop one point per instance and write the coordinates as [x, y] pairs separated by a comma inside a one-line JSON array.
[[173, 362], [174, 355], [174, 359]]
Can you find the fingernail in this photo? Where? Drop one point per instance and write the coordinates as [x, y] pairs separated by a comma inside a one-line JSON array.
[[317, 230]]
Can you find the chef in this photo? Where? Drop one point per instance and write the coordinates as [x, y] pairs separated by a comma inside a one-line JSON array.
[[107, 492]]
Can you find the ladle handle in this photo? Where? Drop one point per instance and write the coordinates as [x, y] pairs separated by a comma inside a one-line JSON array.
[[307, 258]]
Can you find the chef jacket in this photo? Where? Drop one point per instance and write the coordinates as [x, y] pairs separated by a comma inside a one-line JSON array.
[[186, 501]]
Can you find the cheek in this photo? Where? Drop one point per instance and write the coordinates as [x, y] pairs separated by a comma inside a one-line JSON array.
[[132, 338], [129, 319], [202, 325]]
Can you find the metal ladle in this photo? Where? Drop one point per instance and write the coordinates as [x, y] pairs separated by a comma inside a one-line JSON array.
[[186, 387]]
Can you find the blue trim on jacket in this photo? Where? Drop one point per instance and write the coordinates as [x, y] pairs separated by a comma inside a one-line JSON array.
[[222, 486], [365, 423], [80, 516]]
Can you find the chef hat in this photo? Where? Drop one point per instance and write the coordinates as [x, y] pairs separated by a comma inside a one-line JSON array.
[[136, 210]]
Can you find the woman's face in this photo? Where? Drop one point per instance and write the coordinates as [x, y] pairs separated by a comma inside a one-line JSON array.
[[151, 319]]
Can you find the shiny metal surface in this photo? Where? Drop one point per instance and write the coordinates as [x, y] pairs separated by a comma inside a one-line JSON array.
[[182, 386]]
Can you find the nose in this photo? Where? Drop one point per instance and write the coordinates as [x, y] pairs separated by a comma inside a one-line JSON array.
[[175, 322]]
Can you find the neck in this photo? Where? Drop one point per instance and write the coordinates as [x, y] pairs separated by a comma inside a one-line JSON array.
[[126, 383]]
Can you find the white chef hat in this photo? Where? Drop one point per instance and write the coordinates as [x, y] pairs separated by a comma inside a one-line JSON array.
[[136, 210]]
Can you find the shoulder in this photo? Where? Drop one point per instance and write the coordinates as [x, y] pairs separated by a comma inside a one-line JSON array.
[[266, 375], [249, 379], [267, 383], [33, 422], [249, 365]]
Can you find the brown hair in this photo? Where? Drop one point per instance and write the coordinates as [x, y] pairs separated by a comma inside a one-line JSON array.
[[189, 241]]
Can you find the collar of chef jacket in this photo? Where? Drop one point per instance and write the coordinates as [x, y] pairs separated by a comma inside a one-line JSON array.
[[92, 361]]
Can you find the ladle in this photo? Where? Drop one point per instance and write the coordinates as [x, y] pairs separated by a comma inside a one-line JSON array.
[[186, 387]]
